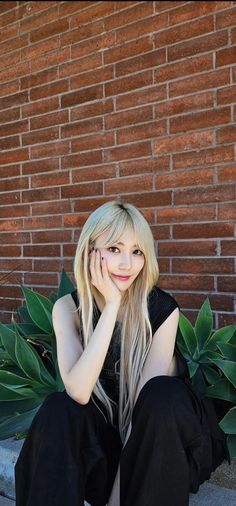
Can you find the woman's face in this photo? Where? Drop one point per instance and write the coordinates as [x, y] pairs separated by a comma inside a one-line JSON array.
[[124, 260]]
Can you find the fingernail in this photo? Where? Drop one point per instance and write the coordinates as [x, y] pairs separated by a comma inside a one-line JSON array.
[[102, 258]]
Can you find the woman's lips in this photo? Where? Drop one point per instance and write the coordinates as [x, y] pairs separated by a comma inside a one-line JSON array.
[[122, 278]]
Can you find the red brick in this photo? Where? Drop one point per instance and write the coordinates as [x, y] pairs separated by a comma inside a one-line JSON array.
[[89, 204], [40, 195], [10, 291], [226, 284], [82, 127], [101, 42], [5, 62], [204, 157], [213, 193], [185, 214], [71, 7], [199, 45], [184, 31], [226, 319], [187, 283], [190, 66], [185, 178], [10, 198], [128, 117], [184, 104], [140, 62], [94, 173], [152, 165], [49, 90], [40, 166], [51, 59], [39, 18], [15, 238], [146, 96], [56, 118], [138, 11], [85, 32], [11, 44], [133, 82], [13, 170], [10, 142], [19, 70], [46, 135], [202, 82], [183, 142], [10, 251], [201, 119], [42, 222], [16, 211], [226, 173], [228, 248], [149, 199], [78, 97], [9, 88], [146, 26], [93, 141], [194, 10], [203, 265], [50, 149], [226, 134], [72, 221], [35, 278], [123, 152], [226, 95], [41, 48], [226, 56], [17, 155], [187, 249], [69, 250], [80, 65], [41, 107], [218, 302], [51, 237], [139, 132], [48, 265], [90, 158], [45, 76], [50, 29], [226, 17], [90, 110], [137, 47], [18, 264], [227, 211], [42, 251], [13, 128], [11, 100], [95, 11], [87, 78], [50, 179], [59, 207], [81, 190], [129, 185], [9, 115], [197, 230], [9, 17]]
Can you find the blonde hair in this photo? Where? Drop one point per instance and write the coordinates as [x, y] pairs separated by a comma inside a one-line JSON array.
[[136, 334]]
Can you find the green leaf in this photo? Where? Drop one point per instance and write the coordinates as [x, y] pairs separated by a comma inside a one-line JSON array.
[[8, 341], [28, 329], [231, 441], [18, 423], [30, 362], [10, 394], [192, 367], [210, 374], [221, 335], [40, 309], [228, 423], [223, 389], [207, 357], [228, 368], [8, 378], [228, 351], [66, 286], [9, 409], [188, 334], [24, 315], [198, 381], [204, 322]]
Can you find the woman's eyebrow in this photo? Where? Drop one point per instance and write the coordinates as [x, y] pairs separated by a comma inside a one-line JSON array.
[[122, 244]]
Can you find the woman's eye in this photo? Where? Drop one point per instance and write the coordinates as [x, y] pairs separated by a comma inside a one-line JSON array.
[[111, 248], [139, 251]]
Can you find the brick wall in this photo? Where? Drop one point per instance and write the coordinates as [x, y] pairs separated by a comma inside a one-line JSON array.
[[128, 99]]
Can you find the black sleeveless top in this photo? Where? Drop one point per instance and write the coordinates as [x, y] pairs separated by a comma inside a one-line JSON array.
[[160, 306]]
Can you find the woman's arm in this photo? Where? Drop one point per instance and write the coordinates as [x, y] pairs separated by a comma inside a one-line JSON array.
[[80, 368]]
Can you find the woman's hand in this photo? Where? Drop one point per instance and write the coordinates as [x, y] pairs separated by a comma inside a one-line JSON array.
[[101, 279]]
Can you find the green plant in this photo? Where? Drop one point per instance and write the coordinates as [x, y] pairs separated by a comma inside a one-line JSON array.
[[211, 361], [28, 363]]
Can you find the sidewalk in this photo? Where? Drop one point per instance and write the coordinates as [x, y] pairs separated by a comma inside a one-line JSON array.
[[221, 489]]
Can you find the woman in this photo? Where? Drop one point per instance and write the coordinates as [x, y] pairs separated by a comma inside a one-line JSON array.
[[129, 429]]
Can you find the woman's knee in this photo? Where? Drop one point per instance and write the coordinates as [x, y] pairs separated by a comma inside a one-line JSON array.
[[159, 396], [57, 405]]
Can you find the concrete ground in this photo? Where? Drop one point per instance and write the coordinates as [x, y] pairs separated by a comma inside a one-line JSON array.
[[219, 490]]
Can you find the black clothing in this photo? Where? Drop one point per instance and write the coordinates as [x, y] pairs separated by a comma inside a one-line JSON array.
[[72, 451]]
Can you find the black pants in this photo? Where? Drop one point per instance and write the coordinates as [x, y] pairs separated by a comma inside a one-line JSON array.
[[71, 453]]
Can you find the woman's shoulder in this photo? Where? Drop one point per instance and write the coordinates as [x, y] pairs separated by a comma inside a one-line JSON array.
[[160, 306]]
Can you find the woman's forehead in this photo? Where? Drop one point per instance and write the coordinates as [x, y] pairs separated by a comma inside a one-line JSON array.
[[127, 237]]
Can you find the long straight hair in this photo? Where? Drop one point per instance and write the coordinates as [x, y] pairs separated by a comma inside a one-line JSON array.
[[136, 334]]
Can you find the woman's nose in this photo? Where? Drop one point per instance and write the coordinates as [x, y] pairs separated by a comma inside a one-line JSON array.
[[125, 261]]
